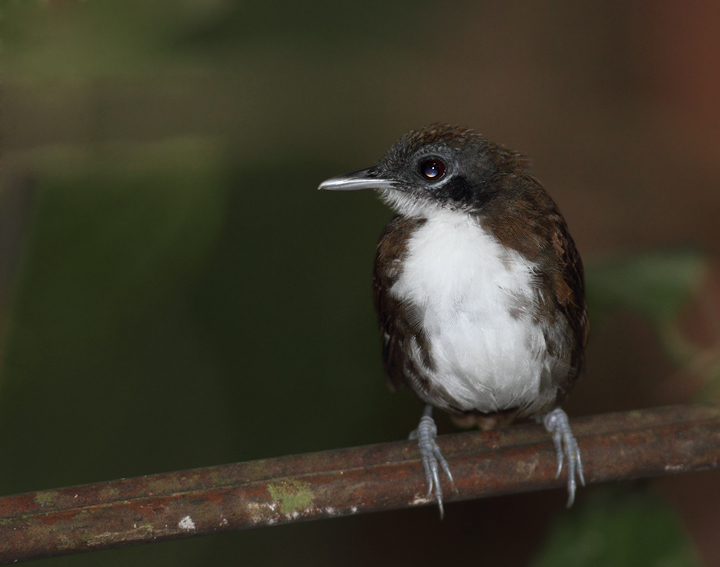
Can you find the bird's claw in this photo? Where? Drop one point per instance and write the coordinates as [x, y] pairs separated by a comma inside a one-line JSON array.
[[432, 458], [556, 422]]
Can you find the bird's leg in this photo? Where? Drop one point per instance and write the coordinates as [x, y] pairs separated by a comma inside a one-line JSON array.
[[426, 434], [556, 422]]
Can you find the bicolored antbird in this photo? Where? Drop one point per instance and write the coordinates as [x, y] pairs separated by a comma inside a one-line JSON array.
[[478, 288]]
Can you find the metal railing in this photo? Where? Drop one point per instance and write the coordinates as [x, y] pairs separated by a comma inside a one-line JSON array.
[[348, 481]]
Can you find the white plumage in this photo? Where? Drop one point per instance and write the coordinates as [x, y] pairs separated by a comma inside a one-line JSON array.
[[472, 295]]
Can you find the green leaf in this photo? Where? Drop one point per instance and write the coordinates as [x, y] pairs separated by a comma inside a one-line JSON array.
[[620, 528], [655, 284]]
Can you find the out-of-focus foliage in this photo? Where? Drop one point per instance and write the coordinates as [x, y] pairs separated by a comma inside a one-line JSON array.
[[656, 285], [620, 528], [116, 238], [114, 230]]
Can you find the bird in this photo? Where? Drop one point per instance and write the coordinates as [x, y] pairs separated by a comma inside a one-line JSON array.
[[479, 290]]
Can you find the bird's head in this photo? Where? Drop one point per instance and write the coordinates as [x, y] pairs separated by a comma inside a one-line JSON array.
[[439, 166]]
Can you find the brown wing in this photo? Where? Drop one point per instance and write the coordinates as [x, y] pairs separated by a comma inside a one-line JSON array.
[[570, 290], [532, 225], [568, 299], [394, 319]]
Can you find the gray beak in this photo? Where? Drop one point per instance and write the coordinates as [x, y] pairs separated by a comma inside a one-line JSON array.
[[363, 179]]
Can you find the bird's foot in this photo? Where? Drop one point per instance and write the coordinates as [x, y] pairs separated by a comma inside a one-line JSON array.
[[556, 422], [432, 458]]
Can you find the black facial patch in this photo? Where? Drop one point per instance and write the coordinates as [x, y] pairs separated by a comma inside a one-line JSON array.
[[457, 189], [460, 190]]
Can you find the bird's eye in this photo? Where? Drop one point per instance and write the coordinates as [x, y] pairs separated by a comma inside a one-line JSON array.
[[432, 169]]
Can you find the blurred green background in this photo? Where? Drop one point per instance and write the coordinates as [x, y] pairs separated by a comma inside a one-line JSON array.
[[175, 293]]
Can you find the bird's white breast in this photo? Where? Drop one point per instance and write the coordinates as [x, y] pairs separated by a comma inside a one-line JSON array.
[[469, 290]]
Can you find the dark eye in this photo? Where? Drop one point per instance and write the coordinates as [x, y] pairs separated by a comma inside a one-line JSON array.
[[432, 169]]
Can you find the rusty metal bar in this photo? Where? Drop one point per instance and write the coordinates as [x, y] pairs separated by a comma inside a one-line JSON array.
[[348, 481]]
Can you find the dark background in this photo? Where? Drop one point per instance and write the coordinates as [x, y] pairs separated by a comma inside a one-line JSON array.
[[176, 294]]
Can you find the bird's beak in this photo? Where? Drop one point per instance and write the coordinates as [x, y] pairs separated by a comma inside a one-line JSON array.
[[363, 179]]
